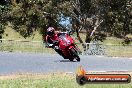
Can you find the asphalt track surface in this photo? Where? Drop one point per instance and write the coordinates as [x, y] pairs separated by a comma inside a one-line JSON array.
[[14, 62]]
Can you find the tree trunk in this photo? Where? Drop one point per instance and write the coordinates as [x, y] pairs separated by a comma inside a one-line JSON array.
[[78, 36], [126, 20]]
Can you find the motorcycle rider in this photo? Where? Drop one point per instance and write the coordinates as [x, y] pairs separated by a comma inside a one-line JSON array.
[[52, 40]]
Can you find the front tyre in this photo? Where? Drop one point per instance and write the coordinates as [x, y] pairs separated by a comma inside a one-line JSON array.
[[78, 58], [75, 54]]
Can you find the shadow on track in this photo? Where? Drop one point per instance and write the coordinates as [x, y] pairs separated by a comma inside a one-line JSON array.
[[65, 61]]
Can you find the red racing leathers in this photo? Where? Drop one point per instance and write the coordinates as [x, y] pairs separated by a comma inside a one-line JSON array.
[[53, 41]]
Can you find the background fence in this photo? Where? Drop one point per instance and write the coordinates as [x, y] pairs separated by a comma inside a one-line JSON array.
[[90, 49]]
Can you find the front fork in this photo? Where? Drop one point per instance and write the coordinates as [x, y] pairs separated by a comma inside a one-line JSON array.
[[73, 51]]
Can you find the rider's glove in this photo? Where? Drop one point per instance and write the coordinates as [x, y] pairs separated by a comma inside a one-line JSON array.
[[56, 47], [51, 45]]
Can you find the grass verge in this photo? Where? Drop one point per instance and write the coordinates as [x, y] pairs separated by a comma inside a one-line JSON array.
[[53, 80], [117, 49]]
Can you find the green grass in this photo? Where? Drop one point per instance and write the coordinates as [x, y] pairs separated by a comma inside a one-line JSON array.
[[16, 46], [52, 81], [19, 46], [39, 47], [121, 51], [13, 35]]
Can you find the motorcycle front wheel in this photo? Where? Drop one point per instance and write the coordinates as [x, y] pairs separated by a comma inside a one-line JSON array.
[[75, 55], [77, 58]]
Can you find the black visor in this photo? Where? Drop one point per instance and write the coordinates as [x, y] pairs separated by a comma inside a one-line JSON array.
[[51, 33]]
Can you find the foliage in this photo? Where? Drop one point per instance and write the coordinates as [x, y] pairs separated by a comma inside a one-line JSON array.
[[27, 16], [3, 21]]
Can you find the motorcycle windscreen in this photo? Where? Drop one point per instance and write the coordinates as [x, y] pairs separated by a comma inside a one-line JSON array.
[[65, 41]]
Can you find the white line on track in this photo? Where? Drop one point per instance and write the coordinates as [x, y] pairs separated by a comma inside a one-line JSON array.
[[130, 58]]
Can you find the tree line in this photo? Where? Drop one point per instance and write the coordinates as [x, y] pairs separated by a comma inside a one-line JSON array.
[[96, 18]]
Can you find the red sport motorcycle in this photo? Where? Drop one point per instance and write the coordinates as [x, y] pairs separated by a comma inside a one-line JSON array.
[[68, 47]]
